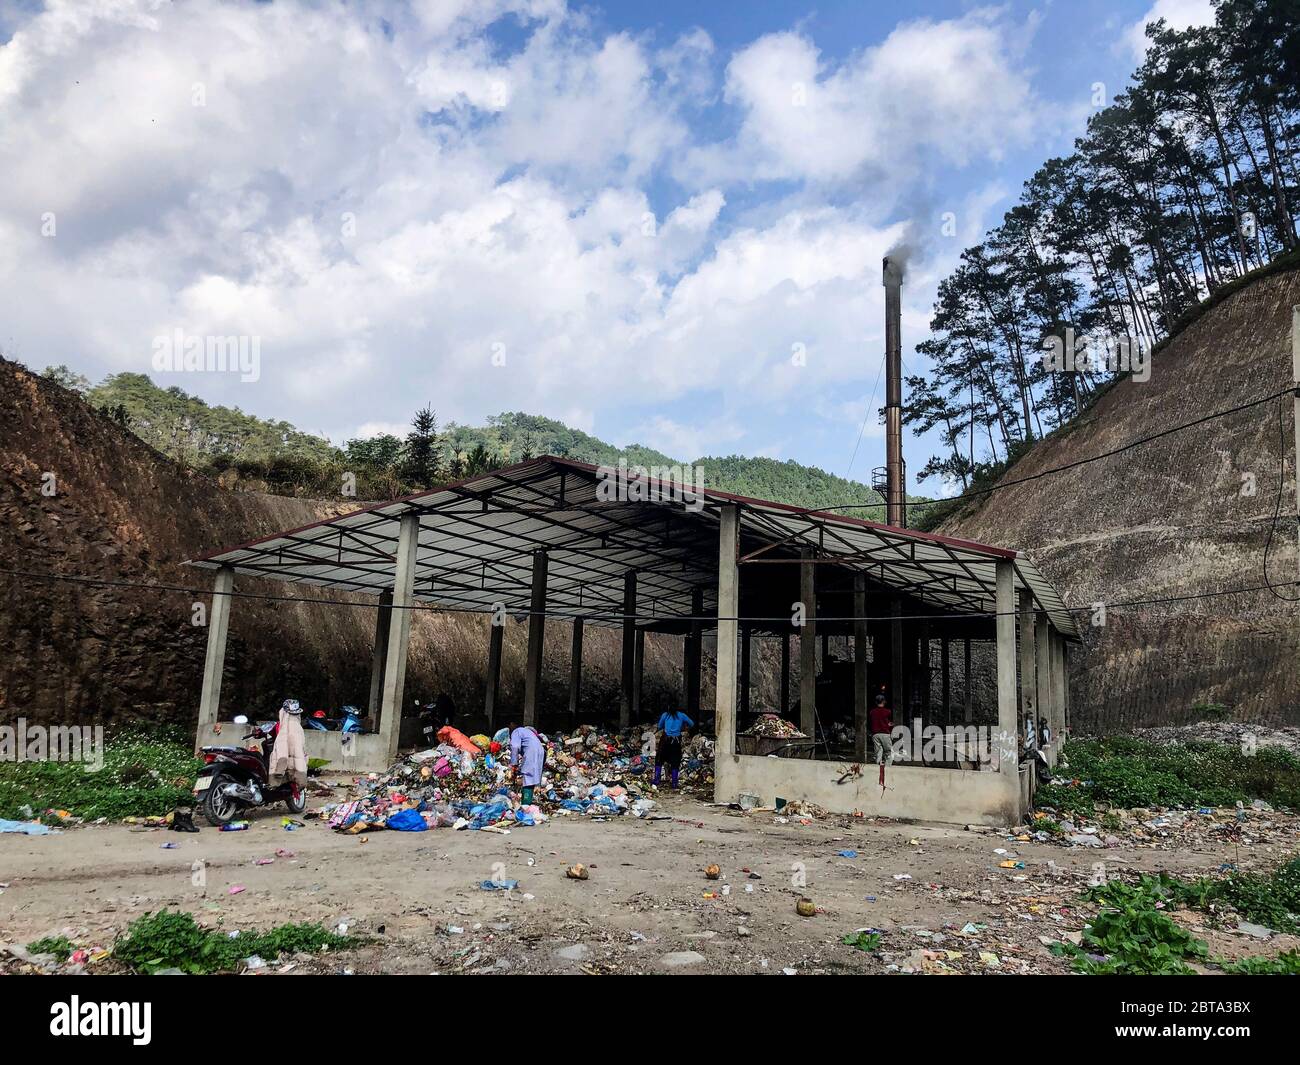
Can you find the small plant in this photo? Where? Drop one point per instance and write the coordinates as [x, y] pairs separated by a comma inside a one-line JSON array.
[[1130, 936], [1270, 899], [1287, 964], [60, 946], [865, 941], [174, 940]]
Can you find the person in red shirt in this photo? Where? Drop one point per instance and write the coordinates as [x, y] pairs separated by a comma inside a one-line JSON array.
[[881, 722]]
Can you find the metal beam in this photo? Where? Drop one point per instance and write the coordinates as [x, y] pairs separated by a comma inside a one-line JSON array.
[[536, 638]]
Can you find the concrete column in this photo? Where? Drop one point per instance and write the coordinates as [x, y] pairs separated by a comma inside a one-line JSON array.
[[496, 636], [724, 711], [694, 655], [860, 737], [745, 635], [399, 634], [808, 645], [536, 638], [214, 661], [897, 668], [575, 670], [945, 667], [629, 649], [1058, 680], [638, 673], [968, 692], [1028, 657], [1065, 686], [1043, 674], [785, 675], [378, 656], [1008, 740], [923, 671]]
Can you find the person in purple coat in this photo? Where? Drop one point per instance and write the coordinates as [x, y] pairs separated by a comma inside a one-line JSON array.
[[528, 756]]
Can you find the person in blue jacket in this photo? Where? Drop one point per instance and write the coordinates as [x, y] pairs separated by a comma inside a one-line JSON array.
[[672, 725]]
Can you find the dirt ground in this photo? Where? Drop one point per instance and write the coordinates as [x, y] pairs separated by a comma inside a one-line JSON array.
[[645, 908]]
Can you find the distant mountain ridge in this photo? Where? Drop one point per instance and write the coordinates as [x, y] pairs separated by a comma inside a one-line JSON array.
[[187, 429]]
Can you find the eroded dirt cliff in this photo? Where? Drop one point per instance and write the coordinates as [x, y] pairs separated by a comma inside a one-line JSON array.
[[1184, 516], [122, 513]]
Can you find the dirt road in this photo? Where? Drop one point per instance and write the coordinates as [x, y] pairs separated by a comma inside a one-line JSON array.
[[644, 909]]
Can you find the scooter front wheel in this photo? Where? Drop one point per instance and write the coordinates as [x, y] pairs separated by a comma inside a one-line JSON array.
[[218, 807], [298, 805]]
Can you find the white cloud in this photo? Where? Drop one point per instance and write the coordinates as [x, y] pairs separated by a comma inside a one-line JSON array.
[[956, 90], [687, 443], [405, 214], [372, 429], [1179, 14]]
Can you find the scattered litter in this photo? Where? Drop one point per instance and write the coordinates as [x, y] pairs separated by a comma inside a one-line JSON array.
[[27, 828]]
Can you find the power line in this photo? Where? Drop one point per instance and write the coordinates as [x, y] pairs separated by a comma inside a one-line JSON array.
[[1070, 465], [1277, 508], [616, 616], [871, 403]]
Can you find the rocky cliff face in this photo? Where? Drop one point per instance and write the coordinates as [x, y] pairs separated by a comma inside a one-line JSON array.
[[1184, 516], [81, 497]]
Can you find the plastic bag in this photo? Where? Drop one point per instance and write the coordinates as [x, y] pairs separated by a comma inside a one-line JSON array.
[[407, 821]]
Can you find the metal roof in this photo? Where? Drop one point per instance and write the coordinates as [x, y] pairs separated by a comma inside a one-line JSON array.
[[477, 537]]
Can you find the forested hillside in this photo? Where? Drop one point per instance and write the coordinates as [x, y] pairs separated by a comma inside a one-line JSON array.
[[1182, 183], [277, 457]]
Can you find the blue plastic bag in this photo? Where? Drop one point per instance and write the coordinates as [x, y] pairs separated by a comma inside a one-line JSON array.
[[407, 821]]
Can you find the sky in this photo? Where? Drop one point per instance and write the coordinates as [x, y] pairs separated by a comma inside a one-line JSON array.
[[661, 223]]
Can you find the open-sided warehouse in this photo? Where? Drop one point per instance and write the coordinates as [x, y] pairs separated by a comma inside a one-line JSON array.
[[553, 538]]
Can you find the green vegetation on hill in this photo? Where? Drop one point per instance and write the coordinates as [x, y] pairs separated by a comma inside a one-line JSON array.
[[187, 429], [515, 435], [279, 457]]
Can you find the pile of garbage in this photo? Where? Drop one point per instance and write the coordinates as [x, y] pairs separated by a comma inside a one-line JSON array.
[[1167, 828], [773, 727], [465, 783], [1230, 733]]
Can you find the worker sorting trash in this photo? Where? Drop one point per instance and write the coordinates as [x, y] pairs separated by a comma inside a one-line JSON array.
[[528, 757], [672, 723]]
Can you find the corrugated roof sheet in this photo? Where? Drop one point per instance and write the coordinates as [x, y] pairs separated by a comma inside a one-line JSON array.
[[477, 537]]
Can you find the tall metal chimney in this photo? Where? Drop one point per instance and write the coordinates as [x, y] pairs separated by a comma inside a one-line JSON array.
[[895, 471]]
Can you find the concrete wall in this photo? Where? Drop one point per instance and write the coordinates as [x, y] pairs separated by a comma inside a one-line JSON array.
[[955, 796], [361, 754]]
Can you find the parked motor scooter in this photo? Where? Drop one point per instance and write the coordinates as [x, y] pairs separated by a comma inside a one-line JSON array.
[[350, 722], [235, 779], [428, 723]]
